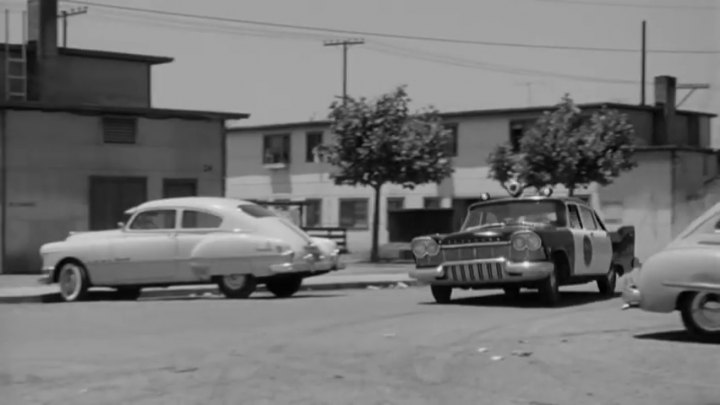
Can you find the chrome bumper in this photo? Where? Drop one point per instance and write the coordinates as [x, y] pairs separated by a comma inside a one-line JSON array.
[[310, 263], [631, 294], [46, 277], [483, 271]]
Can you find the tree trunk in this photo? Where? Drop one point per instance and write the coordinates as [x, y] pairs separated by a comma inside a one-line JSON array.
[[374, 252], [571, 191]]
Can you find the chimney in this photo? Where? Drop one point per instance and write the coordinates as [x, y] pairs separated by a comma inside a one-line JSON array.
[[43, 26], [665, 100]]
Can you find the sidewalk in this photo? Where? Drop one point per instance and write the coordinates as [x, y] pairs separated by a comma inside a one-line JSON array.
[[26, 289]]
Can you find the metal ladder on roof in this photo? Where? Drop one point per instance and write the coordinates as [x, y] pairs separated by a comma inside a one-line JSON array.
[[16, 66]]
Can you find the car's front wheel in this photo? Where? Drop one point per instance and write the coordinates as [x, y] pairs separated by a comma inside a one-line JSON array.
[[283, 287], [237, 285], [441, 293], [550, 290], [73, 282], [700, 312]]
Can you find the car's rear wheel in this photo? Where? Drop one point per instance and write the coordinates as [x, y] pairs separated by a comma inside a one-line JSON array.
[[441, 293], [283, 287], [606, 284], [73, 281], [128, 293], [237, 285], [550, 289], [700, 312]]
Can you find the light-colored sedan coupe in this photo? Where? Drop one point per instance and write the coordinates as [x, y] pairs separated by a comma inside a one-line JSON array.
[[685, 276], [193, 240]]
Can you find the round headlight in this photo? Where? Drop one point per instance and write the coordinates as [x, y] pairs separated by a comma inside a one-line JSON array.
[[533, 241], [519, 243], [432, 247], [419, 248]]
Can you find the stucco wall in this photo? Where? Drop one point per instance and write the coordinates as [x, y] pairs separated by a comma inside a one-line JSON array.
[[52, 155]]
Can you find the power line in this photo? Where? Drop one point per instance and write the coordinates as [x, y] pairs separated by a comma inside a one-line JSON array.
[[345, 43], [390, 35], [686, 7], [374, 45]]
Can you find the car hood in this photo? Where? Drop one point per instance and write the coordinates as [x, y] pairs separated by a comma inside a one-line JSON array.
[[488, 234], [94, 235]]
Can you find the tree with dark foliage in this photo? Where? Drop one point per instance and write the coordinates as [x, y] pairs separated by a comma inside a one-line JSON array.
[[378, 142], [569, 148]]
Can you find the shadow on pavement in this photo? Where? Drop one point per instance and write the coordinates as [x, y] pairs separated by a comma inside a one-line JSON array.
[[528, 299], [112, 296], [677, 336]]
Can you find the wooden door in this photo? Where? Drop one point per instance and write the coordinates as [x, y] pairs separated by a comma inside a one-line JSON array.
[[110, 197]]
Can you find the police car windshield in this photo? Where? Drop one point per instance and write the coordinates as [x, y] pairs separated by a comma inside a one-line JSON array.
[[513, 212]]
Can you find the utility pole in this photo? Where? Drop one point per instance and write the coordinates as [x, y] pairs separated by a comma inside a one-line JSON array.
[[345, 43], [69, 13], [643, 66], [529, 85]]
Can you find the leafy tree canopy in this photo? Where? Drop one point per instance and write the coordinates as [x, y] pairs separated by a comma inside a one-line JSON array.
[[569, 148], [382, 141]]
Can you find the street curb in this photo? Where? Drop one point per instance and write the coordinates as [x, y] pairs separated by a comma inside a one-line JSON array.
[[170, 293]]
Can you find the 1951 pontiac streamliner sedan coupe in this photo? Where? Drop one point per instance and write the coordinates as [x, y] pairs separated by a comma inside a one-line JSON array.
[[193, 240], [684, 276], [536, 242]]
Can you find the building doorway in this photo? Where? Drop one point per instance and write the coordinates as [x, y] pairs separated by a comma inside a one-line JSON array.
[[174, 188], [110, 197]]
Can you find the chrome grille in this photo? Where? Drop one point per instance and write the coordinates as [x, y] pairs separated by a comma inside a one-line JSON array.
[[476, 252], [454, 253], [474, 272]]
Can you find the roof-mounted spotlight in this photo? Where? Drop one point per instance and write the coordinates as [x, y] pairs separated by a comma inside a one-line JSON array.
[[484, 196], [514, 188], [546, 191]]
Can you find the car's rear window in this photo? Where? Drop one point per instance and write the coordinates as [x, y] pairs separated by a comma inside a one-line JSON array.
[[256, 211]]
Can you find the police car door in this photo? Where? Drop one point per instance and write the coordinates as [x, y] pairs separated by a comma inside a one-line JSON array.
[[600, 243], [582, 243]]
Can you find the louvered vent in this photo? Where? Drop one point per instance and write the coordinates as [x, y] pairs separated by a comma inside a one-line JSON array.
[[119, 130]]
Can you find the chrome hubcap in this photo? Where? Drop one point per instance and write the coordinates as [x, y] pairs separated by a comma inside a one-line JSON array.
[[70, 282], [706, 311], [235, 281]]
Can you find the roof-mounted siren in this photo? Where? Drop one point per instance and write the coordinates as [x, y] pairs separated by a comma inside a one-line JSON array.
[[514, 188], [546, 191], [484, 196]]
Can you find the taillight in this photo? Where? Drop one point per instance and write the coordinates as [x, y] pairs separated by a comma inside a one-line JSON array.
[[526, 246]]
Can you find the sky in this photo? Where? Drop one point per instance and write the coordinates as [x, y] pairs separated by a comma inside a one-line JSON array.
[[281, 75]]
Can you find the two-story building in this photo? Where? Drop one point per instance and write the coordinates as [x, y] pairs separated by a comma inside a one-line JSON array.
[[80, 142], [277, 162]]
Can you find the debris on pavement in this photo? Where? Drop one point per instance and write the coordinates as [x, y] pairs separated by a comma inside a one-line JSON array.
[[482, 349], [521, 353], [496, 358], [401, 285]]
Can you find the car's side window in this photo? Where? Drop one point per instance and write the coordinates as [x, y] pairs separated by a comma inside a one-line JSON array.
[[573, 217], [588, 219], [599, 222], [192, 219], [154, 219]]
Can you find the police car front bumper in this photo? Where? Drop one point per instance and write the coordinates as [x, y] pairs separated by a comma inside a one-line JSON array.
[[478, 272]]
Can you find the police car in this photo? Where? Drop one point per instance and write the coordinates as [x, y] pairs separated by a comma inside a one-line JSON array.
[[539, 242]]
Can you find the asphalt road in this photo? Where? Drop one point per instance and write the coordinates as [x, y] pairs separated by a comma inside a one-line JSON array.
[[351, 347]]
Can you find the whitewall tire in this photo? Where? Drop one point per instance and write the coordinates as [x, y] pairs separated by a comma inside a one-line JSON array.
[[237, 285], [700, 312], [73, 282]]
